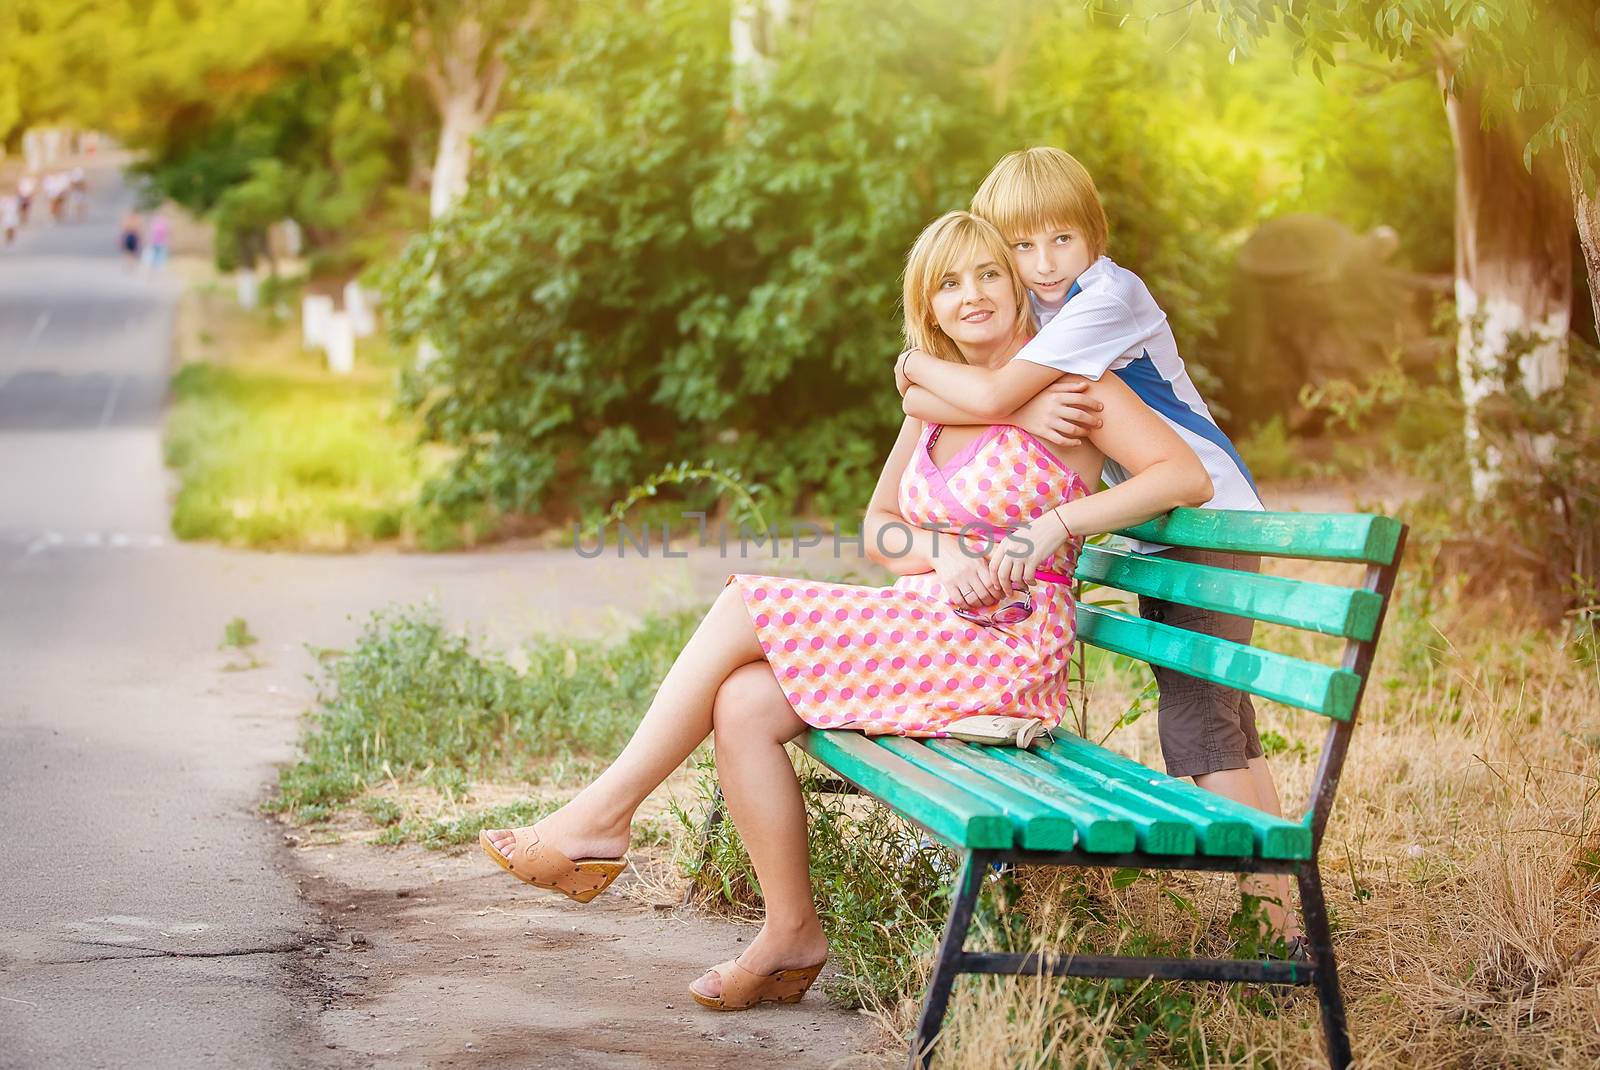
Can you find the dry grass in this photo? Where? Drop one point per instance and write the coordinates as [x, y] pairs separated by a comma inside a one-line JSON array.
[[1462, 867]]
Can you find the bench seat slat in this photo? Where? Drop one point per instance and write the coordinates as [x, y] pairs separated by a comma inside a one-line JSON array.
[[1318, 607], [1318, 688], [1274, 837], [1318, 536], [1159, 833], [1040, 826], [955, 816], [1100, 828], [1215, 834]]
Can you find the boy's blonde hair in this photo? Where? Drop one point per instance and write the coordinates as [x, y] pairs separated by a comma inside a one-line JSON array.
[[947, 243], [1035, 189]]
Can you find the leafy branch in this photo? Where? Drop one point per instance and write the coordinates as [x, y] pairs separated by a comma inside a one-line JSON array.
[[746, 511]]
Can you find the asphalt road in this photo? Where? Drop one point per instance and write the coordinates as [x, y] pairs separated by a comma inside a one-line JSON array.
[[149, 915], [145, 922]]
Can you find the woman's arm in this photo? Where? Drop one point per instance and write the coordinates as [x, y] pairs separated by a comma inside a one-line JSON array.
[[991, 394], [892, 540], [1164, 473], [907, 550]]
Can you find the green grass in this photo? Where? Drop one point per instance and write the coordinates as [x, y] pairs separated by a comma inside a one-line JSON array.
[[273, 451], [272, 457], [416, 704]]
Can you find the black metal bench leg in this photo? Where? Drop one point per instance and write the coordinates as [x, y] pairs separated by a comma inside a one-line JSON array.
[[947, 964], [713, 819], [1315, 910]]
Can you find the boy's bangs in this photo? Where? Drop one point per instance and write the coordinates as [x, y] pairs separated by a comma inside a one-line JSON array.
[[1033, 201], [1038, 190]]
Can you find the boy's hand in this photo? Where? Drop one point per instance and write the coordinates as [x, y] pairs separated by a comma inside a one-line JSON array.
[[1061, 414]]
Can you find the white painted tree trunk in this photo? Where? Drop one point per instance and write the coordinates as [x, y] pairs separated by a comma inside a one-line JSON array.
[[1587, 209], [359, 305], [753, 29], [245, 287], [1513, 271], [316, 310], [340, 343], [464, 74], [460, 118]]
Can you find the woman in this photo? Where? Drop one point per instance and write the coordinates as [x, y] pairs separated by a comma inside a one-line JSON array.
[[959, 634]]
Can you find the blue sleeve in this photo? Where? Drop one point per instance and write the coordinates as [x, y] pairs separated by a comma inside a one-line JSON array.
[[1086, 337]]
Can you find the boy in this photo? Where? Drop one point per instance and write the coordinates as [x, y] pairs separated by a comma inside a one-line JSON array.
[[1098, 317]]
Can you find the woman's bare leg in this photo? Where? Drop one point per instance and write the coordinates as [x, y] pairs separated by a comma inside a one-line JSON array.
[[596, 823], [753, 720]]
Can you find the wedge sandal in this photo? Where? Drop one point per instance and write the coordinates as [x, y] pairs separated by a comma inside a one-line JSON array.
[[535, 862], [742, 989]]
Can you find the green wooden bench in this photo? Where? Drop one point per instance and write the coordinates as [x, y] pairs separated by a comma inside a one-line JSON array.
[[1072, 803]]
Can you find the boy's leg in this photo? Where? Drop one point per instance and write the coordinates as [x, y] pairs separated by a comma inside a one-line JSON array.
[[1208, 731]]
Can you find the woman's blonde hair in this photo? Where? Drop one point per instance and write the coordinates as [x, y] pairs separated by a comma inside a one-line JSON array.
[[950, 241]]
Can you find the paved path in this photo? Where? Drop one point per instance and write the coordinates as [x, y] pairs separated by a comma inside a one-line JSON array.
[[149, 916]]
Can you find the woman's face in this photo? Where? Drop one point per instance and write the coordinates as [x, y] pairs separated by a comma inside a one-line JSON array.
[[975, 304]]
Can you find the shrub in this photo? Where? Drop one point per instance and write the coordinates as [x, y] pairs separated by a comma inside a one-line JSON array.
[[641, 274]]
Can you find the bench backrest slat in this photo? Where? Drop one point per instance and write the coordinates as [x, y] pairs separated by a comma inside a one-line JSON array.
[[1318, 607], [1321, 536], [1279, 677]]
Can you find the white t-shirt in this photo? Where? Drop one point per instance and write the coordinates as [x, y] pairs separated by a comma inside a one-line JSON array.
[[1109, 322]]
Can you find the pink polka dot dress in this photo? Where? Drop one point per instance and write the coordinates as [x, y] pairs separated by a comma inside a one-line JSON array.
[[896, 660]]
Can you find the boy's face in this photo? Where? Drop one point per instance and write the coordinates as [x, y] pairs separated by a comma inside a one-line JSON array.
[[1051, 260]]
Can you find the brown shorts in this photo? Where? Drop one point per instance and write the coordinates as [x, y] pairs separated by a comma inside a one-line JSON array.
[[1204, 727]]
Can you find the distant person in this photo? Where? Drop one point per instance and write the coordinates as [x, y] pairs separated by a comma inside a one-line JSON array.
[[78, 194], [27, 186], [55, 192], [10, 217], [132, 224], [155, 241]]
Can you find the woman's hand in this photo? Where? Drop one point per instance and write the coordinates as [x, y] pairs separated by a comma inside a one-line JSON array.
[[1016, 558], [969, 580], [901, 383], [1062, 414]]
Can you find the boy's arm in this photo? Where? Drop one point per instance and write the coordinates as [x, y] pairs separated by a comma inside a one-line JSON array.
[[1085, 338], [989, 394], [1062, 414], [928, 407]]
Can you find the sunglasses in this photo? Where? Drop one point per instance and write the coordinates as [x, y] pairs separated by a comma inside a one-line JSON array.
[[1017, 606]]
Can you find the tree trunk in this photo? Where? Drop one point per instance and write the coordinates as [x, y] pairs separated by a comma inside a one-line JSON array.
[[464, 74], [459, 120], [1513, 267], [1587, 209], [753, 29]]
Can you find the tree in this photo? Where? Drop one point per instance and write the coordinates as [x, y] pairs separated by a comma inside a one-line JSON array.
[[1516, 81], [463, 66]]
